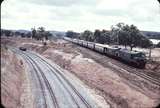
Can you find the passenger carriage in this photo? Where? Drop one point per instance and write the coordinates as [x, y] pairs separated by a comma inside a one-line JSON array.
[[132, 57]]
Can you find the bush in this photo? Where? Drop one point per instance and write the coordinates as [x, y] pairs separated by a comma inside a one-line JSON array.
[[158, 45], [45, 43]]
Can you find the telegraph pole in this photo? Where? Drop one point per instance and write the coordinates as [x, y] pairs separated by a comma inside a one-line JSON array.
[[150, 51], [152, 45]]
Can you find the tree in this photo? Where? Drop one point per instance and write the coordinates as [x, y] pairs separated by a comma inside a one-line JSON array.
[[87, 35], [7, 33], [119, 34], [41, 33], [72, 34], [158, 45], [105, 37], [97, 36], [33, 32], [134, 36], [129, 35], [115, 33], [28, 35], [17, 33], [22, 35], [145, 43], [47, 35]]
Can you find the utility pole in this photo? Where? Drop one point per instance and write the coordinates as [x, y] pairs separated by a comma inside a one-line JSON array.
[[150, 51]]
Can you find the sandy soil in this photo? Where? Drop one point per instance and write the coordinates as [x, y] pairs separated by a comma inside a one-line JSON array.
[[15, 86], [116, 90]]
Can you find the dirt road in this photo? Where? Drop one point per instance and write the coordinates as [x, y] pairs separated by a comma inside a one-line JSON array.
[[54, 88]]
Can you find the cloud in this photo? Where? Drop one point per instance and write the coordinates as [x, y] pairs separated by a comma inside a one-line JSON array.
[[79, 15], [110, 12], [62, 2]]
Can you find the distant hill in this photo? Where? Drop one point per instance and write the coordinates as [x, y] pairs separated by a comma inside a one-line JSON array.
[[21, 30], [152, 34], [58, 33]]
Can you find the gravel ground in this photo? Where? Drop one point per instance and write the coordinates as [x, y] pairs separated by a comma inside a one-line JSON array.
[[15, 84], [61, 89], [121, 93], [119, 90], [115, 88]]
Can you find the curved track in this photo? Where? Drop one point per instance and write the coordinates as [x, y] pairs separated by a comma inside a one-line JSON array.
[[56, 90]]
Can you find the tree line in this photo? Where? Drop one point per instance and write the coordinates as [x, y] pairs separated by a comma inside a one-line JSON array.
[[10, 33], [120, 34], [38, 34]]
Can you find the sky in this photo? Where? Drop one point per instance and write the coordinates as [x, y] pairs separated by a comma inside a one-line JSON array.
[[79, 15]]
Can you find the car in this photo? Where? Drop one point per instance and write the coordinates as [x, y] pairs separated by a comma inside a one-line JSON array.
[[22, 48]]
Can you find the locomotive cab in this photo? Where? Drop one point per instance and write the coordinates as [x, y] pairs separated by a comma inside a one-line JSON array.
[[133, 57], [139, 58]]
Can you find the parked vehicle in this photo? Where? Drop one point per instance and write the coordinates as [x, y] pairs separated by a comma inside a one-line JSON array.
[[22, 48]]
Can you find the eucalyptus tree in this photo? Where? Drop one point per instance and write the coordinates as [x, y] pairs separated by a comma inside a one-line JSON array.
[[41, 33], [33, 32], [129, 36], [105, 37], [97, 36], [87, 35]]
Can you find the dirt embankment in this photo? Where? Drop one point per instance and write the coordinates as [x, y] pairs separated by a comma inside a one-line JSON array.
[[114, 88], [119, 92], [15, 88]]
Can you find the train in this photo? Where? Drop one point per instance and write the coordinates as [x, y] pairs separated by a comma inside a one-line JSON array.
[[134, 58]]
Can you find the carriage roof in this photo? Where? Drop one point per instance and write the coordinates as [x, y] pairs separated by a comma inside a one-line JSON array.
[[131, 52]]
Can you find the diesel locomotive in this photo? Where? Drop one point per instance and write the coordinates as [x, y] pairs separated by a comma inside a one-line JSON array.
[[134, 58]]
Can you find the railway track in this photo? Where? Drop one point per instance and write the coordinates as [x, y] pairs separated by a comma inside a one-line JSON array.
[[118, 66], [60, 74], [74, 94], [56, 105], [37, 70]]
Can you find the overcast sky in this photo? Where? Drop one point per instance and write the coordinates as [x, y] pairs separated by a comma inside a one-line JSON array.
[[79, 15]]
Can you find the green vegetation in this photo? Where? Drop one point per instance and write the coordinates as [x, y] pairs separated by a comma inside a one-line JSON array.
[[87, 35], [72, 34], [158, 45], [120, 34], [40, 34], [7, 33], [129, 36]]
